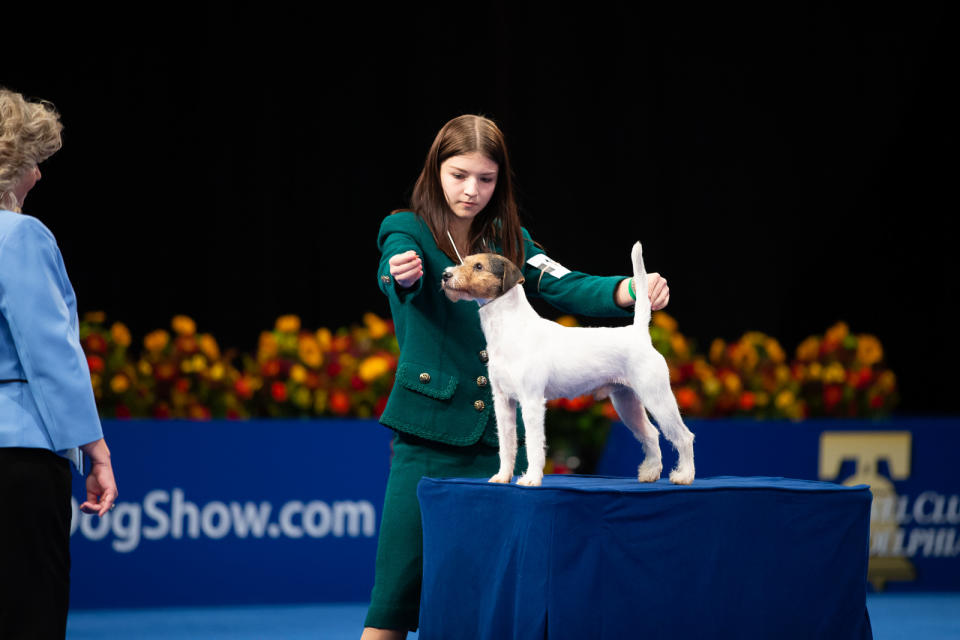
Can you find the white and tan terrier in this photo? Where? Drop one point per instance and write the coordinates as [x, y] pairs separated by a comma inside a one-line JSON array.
[[532, 360]]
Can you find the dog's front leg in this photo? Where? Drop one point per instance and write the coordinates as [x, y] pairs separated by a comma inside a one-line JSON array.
[[533, 410], [505, 410]]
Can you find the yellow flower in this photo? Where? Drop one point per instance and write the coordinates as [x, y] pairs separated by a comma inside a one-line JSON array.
[[717, 347], [298, 373], [663, 320], [96, 381], [815, 370], [701, 369], [373, 367], [209, 347], [347, 361], [782, 373], [567, 321], [711, 387], [156, 341], [288, 324], [809, 349], [301, 398], [731, 382], [217, 371], [774, 350], [784, 399], [183, 325], [120, 334], [869, 351], [119, 383], [187, 365], [320, 401], [378, 327], [309, 350], [887, 381], [267, 348], [145, 368], [762, 399], [834, 373], [97, 317], [324, 338], [199, 363]]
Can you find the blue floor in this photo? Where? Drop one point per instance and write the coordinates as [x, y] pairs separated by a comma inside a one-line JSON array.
[[932, 616]]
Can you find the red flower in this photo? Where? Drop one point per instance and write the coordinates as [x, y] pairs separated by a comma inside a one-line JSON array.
[[161, 411], [876, 402], [199, 412], [95, 343], [748, 400], [96, 364], [357, 383], [278, 391], [579, 403], [380, 406], [233, 414], [686, 398], [186, 344], [243, 388], [165, 371], [182, 385], [122, 411], [339, 403], [608, 411], [334, 368], [832, 394], [270, 369]]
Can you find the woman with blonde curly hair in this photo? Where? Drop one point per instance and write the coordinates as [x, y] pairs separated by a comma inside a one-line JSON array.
[[48, 415]]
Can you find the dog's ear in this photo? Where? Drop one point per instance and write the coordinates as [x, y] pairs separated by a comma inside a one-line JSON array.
[[512, 276]]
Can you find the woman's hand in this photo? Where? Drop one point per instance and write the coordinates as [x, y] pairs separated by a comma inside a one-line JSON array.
[[406, 268], [101, 486], [657, 291]]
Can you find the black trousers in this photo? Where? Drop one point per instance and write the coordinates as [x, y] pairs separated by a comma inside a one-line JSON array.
[[34, 543]]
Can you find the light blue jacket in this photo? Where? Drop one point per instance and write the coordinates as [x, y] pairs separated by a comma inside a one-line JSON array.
[[40, 344]]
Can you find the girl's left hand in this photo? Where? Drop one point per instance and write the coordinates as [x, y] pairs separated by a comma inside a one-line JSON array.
[[659, 292]]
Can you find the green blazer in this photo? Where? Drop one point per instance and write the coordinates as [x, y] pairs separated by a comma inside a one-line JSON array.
[[442, 392]]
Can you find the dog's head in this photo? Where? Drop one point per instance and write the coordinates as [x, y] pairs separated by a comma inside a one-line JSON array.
[[481, 277]]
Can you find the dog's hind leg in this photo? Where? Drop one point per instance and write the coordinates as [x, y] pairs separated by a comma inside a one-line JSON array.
[[659, 400], [506, 411], [630, 409], [533, 410]]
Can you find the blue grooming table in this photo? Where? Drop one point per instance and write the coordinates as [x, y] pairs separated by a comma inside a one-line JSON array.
[[601, 557]]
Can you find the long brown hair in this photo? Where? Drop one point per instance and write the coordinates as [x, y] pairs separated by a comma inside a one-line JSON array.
[[499, 221]]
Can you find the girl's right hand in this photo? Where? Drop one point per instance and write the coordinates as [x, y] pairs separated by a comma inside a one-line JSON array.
[[406, 268]]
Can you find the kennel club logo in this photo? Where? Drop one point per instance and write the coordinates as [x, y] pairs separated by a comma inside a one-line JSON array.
[[902, 527]]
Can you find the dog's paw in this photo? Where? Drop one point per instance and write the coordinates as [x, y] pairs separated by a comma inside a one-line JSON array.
[[649, 471], [682, 476], [530, 480], [501, 478]]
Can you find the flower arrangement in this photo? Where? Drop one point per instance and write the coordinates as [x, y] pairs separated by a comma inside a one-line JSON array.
[[299, 372]]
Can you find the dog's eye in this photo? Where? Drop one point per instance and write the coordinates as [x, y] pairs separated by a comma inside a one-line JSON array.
[[478, 266]]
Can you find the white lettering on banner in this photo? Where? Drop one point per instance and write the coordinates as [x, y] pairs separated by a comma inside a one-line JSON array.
[[164, 514]]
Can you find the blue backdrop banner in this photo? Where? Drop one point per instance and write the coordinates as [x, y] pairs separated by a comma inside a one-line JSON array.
[[909, 463], [273, 511], [234, 512]]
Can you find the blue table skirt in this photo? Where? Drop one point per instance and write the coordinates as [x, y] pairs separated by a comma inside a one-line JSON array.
[[602, 557]]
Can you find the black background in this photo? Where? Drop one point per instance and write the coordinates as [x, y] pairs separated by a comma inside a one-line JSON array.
[[785, 168]]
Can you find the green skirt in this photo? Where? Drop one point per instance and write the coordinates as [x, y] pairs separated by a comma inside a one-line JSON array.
[[395, 601]]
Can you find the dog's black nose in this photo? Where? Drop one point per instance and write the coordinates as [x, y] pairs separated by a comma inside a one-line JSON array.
[[446, 275]]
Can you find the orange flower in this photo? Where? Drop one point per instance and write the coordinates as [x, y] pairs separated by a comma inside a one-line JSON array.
[[717, 347], [373, 367], [183, 325], [377, 326], [869, 351], [309, 350], [809, 349], [267, 348], [774, 350], [288, 324], [95, 317], [199, 412], [119, 383], [156, 341], [243, 387], [95, 343], [664, 320], [120, 334], [324, 338], [567, 321], [209, 347]]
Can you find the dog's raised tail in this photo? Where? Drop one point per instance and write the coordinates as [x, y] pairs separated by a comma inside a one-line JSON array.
[[641, 313]]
